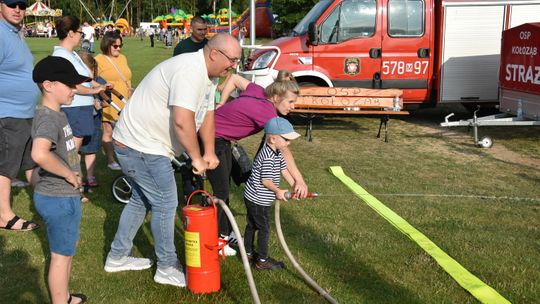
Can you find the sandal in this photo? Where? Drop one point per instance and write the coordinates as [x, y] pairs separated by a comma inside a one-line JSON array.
[[81, 296], [26, 226], [91, 182]]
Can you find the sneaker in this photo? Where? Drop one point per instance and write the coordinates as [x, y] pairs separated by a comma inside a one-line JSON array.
[[252, 257], [269, 264], [232, 239], [127, 263], [114, 166], [171, 275], [227, 249]]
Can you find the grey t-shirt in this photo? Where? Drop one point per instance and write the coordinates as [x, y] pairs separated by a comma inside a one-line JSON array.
[[54, 127]]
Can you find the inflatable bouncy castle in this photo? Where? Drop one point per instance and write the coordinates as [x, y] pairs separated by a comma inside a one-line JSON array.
[[264, 18]]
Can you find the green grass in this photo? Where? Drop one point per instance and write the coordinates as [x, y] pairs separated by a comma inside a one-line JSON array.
[[342, 243]]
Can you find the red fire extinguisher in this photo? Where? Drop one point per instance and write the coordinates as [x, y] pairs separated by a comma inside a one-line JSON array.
[[201, 244]]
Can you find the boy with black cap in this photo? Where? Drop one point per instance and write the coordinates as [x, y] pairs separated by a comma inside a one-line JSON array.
[[262, 188], [57, 181]]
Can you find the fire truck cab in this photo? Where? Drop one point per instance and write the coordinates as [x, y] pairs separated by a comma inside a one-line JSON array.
[[435, 51]]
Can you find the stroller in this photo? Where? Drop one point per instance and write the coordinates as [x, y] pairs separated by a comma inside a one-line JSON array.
[[107, 98], [85, 45], [121, 187]]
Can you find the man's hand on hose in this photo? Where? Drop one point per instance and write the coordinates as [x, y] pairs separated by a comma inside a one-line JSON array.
[[300, 190], [211, 160], [199, 166]]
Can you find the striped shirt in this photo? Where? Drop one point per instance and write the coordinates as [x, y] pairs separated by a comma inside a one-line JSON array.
[[268, 164]]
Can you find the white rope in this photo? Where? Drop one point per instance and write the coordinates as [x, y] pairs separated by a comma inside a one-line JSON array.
[[477, 196], [85, 8], [493, 197]]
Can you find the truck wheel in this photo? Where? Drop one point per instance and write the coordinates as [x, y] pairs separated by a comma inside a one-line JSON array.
[[311, 82], [486, 142]]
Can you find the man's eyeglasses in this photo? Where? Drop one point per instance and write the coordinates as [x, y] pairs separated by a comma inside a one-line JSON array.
[[117, 46], [79, 31], [232, 60], [21, 5]]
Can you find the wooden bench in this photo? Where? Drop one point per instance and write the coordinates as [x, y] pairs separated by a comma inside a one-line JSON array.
[[317, 101]]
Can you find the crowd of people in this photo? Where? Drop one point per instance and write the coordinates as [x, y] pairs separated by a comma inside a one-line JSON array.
[[173, 110]]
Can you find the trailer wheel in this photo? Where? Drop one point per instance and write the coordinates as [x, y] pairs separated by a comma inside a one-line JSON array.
[[486, 142]]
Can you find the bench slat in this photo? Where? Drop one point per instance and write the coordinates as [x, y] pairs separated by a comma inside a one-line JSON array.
[[335, 101], [345, 112], [350, 92]]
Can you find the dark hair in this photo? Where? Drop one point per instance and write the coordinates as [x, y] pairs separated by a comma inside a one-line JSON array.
[[198, 19], [66, 24], [109, 39]]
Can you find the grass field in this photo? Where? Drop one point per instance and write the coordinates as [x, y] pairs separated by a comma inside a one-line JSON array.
[[480, 206]]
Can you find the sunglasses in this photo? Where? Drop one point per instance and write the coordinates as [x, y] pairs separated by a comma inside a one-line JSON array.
[[117, 46], [231, 60], [21, 5]]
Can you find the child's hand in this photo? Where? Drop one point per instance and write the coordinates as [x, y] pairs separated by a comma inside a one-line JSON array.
[[280, 194], [74, 179]]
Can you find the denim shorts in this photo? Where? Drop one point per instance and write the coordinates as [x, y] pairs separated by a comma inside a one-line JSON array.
[[92, 144], [62, 217], [15, 146], [81, 120]]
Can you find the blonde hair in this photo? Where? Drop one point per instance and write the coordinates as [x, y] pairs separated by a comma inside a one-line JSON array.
[[284, 83], [90, 62]]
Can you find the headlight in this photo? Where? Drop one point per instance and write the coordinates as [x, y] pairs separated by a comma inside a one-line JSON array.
[[264, 60]]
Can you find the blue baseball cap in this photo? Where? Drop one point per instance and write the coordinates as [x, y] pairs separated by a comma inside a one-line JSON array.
[[9, 2], [280, 126]]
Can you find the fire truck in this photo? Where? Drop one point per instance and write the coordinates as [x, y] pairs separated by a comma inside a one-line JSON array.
[[436, 51]]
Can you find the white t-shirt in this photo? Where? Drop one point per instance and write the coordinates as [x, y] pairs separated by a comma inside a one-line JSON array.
[[146, 124], [88, 32]]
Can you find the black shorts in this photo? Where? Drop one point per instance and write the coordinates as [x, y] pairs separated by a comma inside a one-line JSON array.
[[15, 146]]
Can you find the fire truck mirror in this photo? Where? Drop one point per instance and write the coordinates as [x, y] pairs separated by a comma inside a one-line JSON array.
[[313, 33]]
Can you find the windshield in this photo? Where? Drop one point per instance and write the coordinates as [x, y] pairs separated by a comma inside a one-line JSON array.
[[302, 27]]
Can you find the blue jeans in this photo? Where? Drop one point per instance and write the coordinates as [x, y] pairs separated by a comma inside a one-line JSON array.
[[62, 216], [154, 189]]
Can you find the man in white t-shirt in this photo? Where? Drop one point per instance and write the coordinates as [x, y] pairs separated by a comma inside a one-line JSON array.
[[89, 32], [171, 105]]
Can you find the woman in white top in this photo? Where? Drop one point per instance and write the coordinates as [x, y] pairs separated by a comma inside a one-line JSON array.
[[80, 112]]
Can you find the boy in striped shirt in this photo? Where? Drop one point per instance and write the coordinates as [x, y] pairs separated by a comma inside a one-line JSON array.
[[262, 188]]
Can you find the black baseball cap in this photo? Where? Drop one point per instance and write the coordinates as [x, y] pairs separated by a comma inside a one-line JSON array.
[[53, 68]]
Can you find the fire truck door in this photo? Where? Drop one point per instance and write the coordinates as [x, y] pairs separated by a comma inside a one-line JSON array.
[[407, 54], [349, 49]]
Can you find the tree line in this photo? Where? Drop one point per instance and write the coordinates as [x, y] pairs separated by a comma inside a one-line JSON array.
[[135, 11]]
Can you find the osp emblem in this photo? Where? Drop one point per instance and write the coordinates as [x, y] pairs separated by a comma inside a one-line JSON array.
[[352, 66]]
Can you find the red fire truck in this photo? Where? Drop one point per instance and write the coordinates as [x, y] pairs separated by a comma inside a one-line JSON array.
[[436, 51]]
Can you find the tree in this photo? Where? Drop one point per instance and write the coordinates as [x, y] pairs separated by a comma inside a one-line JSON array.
[[290, 12]]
